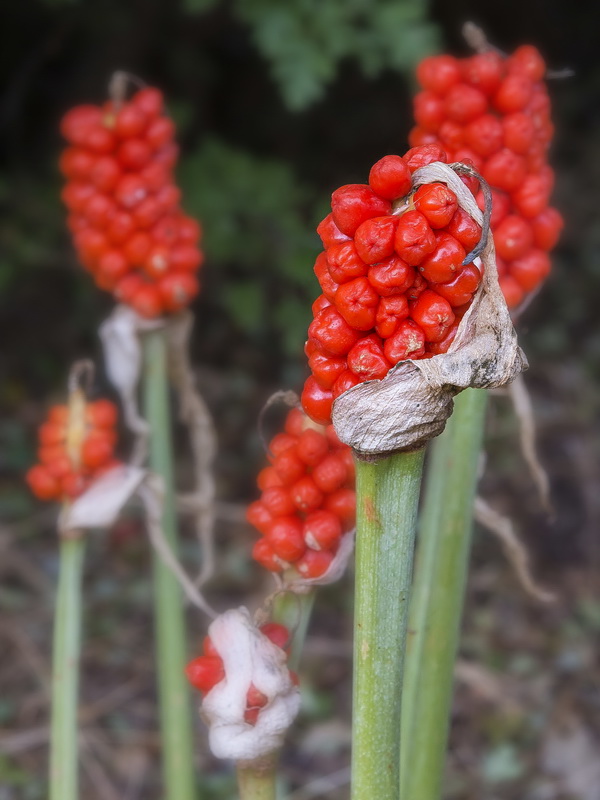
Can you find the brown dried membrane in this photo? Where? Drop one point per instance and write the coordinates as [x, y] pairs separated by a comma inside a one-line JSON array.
[[410, 406]]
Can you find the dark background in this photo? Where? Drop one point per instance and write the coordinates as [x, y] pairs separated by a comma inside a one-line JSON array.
[[277, 104]]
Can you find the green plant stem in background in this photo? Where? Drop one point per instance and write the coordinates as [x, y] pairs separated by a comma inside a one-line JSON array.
[[387, 496], [257, 783], [171, 651], [65, 670], [294, 611], [440, 589], [438, 459]]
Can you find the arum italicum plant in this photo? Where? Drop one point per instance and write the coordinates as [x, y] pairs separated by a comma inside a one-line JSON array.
[[76, 447], [388, 422]]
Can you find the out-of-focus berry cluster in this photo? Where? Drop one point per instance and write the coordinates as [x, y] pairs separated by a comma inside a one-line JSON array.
[[128, 228]]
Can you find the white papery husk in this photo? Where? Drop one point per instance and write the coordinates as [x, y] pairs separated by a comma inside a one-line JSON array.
[[248, 657], [410, 406]]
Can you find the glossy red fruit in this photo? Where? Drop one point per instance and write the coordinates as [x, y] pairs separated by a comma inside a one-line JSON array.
[[306, 495], [314, 563], [433, 314], [342, 503], [43, 483], [438, 73], [344, 262], [332, 332], [331, 473], [276, 633], [460, 290], [367, 360], [374, 239], [436, 202], [284, 534], [441, 266], [407, 342], [263, 553], [390, 177], [390, 312], [322, 530], [464, 103], [353, 204], [317, 401], [330, 233], [312, 447], [513, 237], [205, 672], [357, 302]]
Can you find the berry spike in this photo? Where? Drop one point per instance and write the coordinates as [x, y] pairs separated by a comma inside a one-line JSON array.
[[128, 228]]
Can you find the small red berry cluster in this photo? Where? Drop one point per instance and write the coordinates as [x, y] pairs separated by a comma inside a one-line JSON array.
[[392, 275], [206, 671], [308, 501], [124, 214], [494, 112], [73, 451]]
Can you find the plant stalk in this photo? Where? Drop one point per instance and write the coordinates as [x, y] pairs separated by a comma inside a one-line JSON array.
[[294, 611], [387, 496], [64, 772], [257, 783], [440, 583], [171, 652]]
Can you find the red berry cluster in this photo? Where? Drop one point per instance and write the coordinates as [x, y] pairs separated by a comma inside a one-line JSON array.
[[494, 111], [307, 502], [392, 275], [73, 451], [206, 671], [124, 213]]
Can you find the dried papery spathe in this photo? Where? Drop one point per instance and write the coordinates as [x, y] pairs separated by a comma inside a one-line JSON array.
[[249, 657], [412, 403]]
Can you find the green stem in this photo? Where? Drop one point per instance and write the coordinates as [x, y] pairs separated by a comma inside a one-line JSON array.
[[445, 546], [294, 611], [257, 783], [387, 496], [426, 551], [65, 671], [171, 652]]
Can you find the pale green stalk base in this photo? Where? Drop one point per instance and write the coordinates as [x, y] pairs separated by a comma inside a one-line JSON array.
[[171, 653], [294, 611], [387, 496], [440, 580], [257, 784], [64, 760]]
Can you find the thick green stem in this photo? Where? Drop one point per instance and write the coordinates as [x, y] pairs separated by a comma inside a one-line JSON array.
[[65, 671], [171, 653], [257, 783], [294, 611], [441, 580], [386, 507], [426, 551]]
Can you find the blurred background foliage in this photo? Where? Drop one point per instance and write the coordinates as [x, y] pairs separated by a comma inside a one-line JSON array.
[[277, 104]]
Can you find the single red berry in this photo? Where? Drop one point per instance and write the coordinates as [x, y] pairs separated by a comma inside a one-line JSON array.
[[205, 672], [429, 111], [391, 277], [513, 237], [130, 121], [149, 100], [484, 71], [484, 135], [317, 401], [288, 466], [255, 699], [464, 229], [278, 501], [284, 534], [294, 422], [442, 265], [451, 134], [518, 132], [314, 564], [374, 239], [332, 332], [263, 553], [354, 203], [407, 342], [130, 191], [267, 478], [326, 369], [390, 312], [331, 473], [342, 503], [43, 484], [177, 291], [312, 447], [96, 451], [330, 233], [433, 314], [305, 494], [414, 238], [322, 530], [527, 60], [513, 93], [546, 228], [357, 302], [258, 516], [531, 269], [512, 291], [418, 157], [347, 380], [101, 414], [326, 282], [281, 442], [436, 202], [460, 290], [464, 103], [344, 262], [148, 302], [505, 170], [438, 73], [437, 348], [367, 360], [533, 195], [276, 633], [390, 177]]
